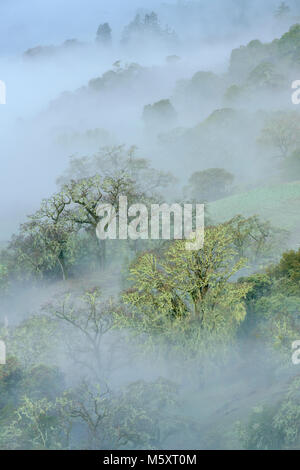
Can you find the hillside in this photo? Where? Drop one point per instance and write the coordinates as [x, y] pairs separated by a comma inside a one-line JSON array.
[[277, 203]]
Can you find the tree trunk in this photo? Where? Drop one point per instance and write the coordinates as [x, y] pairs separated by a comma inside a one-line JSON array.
[[61, 262], [101, 253]]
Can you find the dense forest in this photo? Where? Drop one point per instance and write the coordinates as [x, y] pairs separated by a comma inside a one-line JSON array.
[[139, 343]]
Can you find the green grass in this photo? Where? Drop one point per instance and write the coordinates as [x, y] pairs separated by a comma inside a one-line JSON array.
[[280, 204]]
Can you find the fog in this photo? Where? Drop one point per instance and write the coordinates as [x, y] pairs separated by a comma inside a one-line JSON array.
[[29, 164]]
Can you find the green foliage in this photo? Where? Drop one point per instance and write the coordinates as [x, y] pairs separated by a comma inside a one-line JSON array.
[[284, 52], [233, 93], [279, 324], [288, 271], [209, 185], [147, 28], [185, 307], [25, 418], [10, 378], [256, 240], [45, 242], [265, 75], [246, 58], [104, 34], [260, 434], [185, 295], [161, 114], [273, 303], [63, 231], [277, 426], [288, 44], [4, 282], [39, 425], [119, 76], [282, 132]]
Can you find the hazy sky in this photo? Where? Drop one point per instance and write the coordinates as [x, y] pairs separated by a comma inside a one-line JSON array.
[[26, 23]]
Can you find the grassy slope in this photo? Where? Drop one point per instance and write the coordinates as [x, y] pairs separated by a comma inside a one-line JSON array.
[[280, 204]]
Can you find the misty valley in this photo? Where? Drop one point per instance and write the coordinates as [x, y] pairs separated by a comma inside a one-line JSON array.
[[149, 244]]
